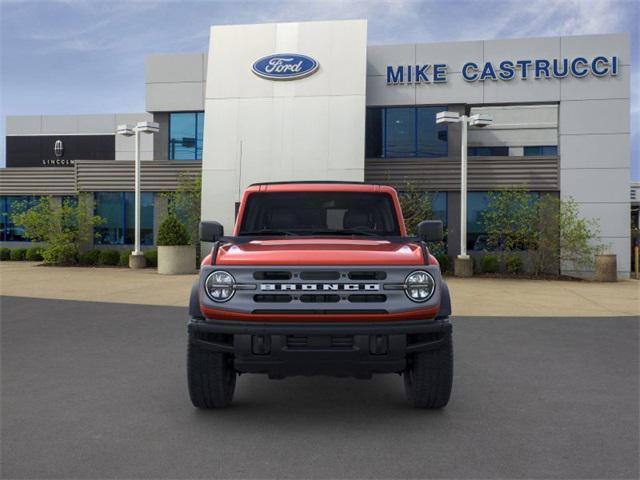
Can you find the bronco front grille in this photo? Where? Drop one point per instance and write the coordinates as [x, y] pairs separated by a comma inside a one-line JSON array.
[[271, 275], [319, 298], [367, 275], [315, 290], [319, 275], [272, 298], [367, 298]]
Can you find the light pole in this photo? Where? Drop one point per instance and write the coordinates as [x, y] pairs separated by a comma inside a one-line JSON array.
[[463, 264], [136, 259]]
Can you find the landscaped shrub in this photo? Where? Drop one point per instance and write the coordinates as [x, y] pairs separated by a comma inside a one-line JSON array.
[[109, 257], [566, 237], [445, 262], [513, 264], [172, 232], [489, 263], [61, 254], [5, 254], [124, 258], [152, 258], [185, 203], [510, 219], [90, 257], [551, 230], [18, 254], [63, 227], [34, 254]]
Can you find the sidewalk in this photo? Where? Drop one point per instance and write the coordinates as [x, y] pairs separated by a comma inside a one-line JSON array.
[[475, 296]]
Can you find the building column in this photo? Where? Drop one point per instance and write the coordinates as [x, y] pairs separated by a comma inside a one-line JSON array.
[[161, 139], [453, 224]]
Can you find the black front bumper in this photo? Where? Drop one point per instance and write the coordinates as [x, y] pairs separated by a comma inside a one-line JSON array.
[[335, 349]]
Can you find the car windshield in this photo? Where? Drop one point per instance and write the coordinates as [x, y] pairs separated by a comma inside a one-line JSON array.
[[319, 213]]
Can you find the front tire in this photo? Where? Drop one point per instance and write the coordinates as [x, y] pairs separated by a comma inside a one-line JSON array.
[[211, 377], [428, 377]]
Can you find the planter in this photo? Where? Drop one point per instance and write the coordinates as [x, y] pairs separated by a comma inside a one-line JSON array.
[[606, 268], [176, 260]]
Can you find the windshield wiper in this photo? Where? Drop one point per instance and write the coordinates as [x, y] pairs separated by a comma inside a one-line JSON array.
[[267, 231]]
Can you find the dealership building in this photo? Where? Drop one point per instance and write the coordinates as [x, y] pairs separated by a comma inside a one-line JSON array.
[[313, 101]]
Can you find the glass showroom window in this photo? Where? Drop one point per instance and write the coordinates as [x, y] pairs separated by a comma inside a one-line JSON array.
[[477, 203], [432, 138], [439, 206], [405, 132], [400, 138], [374, 133], [488, 151], [541, 151], [117, 209], [9, 232], [185, 135]]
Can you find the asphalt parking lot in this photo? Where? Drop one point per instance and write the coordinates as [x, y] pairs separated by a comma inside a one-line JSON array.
[[98, 390]]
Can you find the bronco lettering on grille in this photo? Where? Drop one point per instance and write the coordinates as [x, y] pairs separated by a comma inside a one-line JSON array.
[[369, 287]]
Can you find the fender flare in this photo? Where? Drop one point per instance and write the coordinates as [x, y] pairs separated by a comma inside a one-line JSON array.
[[194, 297], [445, 303], [194, 302]]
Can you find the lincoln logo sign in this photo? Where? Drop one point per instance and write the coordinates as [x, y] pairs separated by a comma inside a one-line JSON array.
[[325, 287], [505, 70], [285, 66], [58, 148]]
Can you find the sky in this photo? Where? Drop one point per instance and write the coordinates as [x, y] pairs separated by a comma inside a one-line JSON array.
[[87, 56]]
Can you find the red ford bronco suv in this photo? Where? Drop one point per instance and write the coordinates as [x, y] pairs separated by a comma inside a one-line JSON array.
[[320, 278]]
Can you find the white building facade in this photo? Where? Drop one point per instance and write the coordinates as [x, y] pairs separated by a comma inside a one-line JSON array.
[[345, 110]]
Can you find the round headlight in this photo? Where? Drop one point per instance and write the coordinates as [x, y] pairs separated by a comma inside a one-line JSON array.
[[220, 286], [419, 286]]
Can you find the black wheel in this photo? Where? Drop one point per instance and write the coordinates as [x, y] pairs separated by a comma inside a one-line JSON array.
[[212, 379], [429, 376]]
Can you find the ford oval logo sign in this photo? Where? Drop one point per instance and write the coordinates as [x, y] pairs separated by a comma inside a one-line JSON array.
[[285, 66]]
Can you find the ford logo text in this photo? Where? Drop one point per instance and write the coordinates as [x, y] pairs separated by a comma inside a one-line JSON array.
[[285, 66]]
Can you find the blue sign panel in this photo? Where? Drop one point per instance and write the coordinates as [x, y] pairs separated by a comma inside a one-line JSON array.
[[285, 66], [578, 67]]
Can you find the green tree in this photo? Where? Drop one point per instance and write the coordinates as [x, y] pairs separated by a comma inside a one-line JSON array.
[[563, 237], [172, 232], [184, 203], [416, 207], [510, 220], [63, 227]]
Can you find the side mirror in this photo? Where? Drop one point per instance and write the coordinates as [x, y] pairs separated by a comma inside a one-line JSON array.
[[211, 231], [430, 231]]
